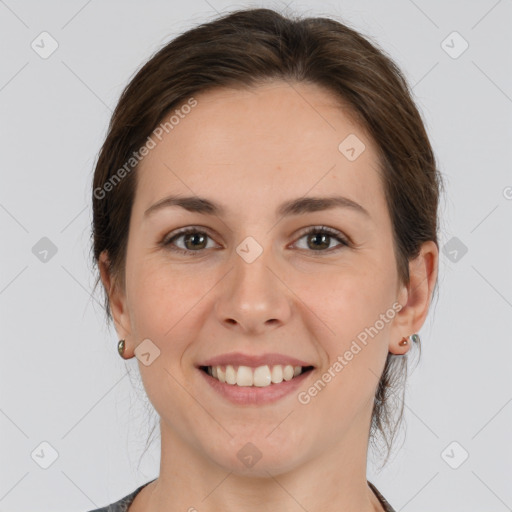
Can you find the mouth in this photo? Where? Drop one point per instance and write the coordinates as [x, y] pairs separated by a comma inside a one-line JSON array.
[[260, 377]]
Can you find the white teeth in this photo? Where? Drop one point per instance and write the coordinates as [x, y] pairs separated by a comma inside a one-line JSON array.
[[230, 374], [244, 376], [277, 374], [288, 372], [262, 376]]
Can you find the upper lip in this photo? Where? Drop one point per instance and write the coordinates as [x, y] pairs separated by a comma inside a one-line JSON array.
[[239, 359]]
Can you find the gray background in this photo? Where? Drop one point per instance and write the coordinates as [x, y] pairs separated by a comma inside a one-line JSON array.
[[62, 381]]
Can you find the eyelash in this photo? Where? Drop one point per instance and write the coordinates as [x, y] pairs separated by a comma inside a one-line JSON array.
[[333, 233]]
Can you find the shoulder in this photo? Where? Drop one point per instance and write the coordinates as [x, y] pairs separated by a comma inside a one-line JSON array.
[[122, 504]]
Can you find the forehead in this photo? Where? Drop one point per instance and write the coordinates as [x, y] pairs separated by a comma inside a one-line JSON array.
[[277, 139]]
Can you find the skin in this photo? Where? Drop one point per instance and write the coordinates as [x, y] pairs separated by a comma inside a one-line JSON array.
[[251, 150]]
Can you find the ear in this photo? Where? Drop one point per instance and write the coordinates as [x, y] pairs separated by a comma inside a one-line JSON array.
[[415, 298], [117, 298]]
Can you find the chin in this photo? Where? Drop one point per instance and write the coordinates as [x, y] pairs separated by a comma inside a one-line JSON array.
[[256, 456]]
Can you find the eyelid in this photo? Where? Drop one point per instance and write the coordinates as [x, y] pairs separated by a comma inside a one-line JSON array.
[[166, 241], [184, 231], [335, 233]]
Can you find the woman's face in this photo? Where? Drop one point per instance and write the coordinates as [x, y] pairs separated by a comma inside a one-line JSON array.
[[255, 282]]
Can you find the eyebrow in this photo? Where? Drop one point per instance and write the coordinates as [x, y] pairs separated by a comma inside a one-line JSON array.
[[298, 206]]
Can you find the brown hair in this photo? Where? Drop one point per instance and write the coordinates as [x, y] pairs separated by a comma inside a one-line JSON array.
[[248, 47]]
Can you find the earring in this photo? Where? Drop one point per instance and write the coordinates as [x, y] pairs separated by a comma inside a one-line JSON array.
[[415, 338], [120, 348]]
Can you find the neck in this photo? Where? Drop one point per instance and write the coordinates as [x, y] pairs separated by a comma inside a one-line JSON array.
[[331, 481]]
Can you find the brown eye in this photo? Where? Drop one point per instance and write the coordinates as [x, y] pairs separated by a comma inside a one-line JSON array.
[[193, 240], [319, 239]]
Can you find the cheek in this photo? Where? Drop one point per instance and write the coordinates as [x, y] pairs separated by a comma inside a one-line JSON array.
[[348, 299], [162, 308], [351, 306], [160, 297], [151, 303], [355, 350]]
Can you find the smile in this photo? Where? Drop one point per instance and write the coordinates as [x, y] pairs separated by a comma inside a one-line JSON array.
[[248, 392], [262, 376]]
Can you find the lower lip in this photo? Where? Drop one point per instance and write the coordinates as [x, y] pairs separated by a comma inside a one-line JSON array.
[[253, 395]]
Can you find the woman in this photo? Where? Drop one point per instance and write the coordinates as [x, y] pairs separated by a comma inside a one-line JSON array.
[[265, 226]]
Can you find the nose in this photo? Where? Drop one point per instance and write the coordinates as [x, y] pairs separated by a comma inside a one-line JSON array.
[[253, 297]]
